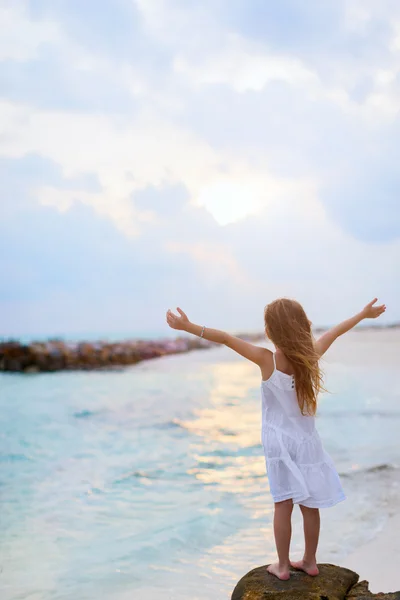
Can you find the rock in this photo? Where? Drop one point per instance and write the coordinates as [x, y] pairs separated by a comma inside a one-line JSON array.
[[32, 369], [12, 364], [361, 592], [332, 583]]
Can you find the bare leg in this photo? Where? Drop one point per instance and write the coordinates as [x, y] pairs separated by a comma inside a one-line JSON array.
[[311, 522], [283, 533]]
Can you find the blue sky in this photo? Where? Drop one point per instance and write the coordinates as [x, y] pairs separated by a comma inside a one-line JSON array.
[[213, 156]]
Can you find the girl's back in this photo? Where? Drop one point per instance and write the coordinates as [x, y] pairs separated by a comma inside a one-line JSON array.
[[280, 406]]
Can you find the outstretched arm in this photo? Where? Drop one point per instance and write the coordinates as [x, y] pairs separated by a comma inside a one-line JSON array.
[[368, 312], [254, 353]]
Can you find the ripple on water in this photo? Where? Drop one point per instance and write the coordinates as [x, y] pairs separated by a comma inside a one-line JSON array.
[[357, 472], [84, 414], [15, 457]]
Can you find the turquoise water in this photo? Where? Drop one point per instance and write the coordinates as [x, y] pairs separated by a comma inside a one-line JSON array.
[[152, 479]]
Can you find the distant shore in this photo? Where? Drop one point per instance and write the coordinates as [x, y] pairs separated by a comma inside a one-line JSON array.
[[55, 354]]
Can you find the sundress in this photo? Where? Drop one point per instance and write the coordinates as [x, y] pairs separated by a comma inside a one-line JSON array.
[[298, 466]]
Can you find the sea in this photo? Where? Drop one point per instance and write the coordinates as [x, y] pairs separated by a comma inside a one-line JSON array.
[[149, 481]]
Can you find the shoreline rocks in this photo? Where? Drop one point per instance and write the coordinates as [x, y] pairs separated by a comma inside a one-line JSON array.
[[58, 355], [332, 583]]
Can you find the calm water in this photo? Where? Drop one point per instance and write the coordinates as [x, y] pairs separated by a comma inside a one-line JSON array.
[[152, 478]]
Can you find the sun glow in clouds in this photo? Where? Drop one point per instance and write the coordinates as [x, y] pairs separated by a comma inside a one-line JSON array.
[[230, 200]]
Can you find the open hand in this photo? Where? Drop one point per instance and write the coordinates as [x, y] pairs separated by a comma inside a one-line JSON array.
[[177, 322], [371, 312]]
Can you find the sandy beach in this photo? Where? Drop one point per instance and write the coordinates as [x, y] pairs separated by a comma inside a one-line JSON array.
[[377, 561]]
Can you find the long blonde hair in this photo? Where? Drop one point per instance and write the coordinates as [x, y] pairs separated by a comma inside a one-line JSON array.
[[287, 326]]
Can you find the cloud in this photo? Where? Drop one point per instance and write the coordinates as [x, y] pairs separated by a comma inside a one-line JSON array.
[[215, 154], [71, 270], [109, 29], [244, 67], [21, 38], [54, 81], [146, 151], [376, 216]]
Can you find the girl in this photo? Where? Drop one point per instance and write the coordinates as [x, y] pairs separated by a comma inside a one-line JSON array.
[[299, 470]]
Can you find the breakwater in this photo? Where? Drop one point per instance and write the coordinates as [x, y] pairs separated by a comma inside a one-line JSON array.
[[59, 355]]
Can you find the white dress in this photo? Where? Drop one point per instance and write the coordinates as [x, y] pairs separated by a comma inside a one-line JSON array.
[[297, 465]]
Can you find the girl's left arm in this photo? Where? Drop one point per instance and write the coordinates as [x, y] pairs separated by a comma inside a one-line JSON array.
[[252, 352]]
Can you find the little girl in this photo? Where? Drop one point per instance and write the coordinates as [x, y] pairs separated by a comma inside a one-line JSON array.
[[299, 469]]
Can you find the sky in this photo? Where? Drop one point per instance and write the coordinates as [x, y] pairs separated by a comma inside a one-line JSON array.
[[209, 155]]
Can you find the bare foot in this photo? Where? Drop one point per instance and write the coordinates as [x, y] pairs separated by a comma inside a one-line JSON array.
[[274, 569], [309, 568]]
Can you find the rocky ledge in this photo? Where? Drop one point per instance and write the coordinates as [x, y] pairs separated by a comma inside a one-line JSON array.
[[332, 583]]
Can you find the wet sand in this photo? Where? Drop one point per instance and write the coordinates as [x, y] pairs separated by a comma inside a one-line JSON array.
[[377, 561]]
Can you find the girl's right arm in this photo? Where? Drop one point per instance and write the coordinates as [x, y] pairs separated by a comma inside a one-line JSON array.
[[368, 312]]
